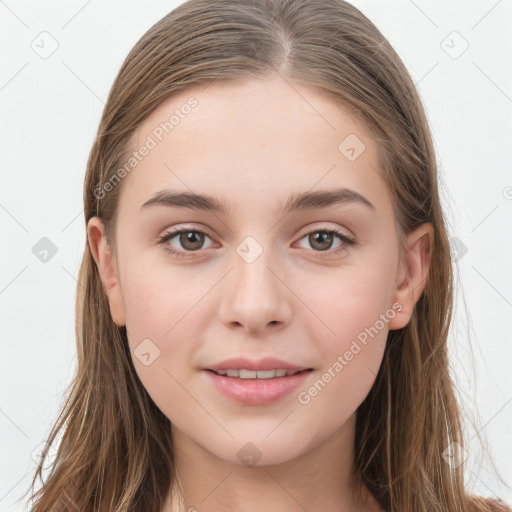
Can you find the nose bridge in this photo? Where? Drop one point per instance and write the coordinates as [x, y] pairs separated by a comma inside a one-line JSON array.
[[253, 281], [254, 296]]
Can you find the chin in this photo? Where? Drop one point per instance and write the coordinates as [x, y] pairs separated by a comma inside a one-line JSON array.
[[260, 449]]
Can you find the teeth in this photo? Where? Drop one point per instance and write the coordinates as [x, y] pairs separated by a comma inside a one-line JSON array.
[[253, 374]]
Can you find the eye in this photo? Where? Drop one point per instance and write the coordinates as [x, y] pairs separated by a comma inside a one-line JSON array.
[[321, 240], [191, 240]]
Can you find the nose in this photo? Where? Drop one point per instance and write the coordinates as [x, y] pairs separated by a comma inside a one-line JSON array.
[[254, 296]]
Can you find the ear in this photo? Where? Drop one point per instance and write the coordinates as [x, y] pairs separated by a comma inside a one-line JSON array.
[[413, 270], [107, 266]]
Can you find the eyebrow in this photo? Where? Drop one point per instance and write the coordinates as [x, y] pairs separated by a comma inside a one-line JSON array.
[[303, 201]]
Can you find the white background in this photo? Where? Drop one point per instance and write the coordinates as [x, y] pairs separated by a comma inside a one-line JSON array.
[[50, 110]]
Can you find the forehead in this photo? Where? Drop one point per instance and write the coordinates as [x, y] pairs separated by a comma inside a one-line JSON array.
[[260, 140]]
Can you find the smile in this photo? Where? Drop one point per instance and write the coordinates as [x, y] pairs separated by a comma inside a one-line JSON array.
[[254, 374], [256, 387]]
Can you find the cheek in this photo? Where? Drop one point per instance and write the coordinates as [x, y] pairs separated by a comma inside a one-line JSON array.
[[347, 301], [351, 354], [350, 328], [160, 314], [158, 302], [165, 317]]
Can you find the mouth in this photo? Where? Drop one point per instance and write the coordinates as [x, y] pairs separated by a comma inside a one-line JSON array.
[[258, 374], [256, 387]]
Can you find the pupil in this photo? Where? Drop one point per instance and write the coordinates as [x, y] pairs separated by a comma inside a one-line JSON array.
[[322, 237], [192, 237]]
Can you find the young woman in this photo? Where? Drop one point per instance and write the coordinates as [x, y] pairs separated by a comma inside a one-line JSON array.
[[266, 290]]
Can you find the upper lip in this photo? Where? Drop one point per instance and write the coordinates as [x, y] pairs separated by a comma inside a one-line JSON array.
[[267, 363]]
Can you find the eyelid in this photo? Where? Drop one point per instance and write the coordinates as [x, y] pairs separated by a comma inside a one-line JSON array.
[[347, 240], [318, 226], [180, 228], [323, 226]]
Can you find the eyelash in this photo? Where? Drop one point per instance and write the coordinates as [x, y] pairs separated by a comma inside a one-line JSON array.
[[347, 241]]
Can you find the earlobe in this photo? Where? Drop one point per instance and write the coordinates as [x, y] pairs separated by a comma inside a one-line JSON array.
[[107, 268], [412, 273]]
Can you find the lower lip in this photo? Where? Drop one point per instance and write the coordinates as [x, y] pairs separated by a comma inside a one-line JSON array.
[[257, 391]]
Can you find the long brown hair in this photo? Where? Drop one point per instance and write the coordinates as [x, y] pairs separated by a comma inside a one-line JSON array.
[[115, 452]]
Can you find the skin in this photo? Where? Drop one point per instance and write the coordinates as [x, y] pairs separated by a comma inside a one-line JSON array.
[[252, 145]]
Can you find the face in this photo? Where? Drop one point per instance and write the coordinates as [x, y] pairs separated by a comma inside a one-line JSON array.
[[317, 286]]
